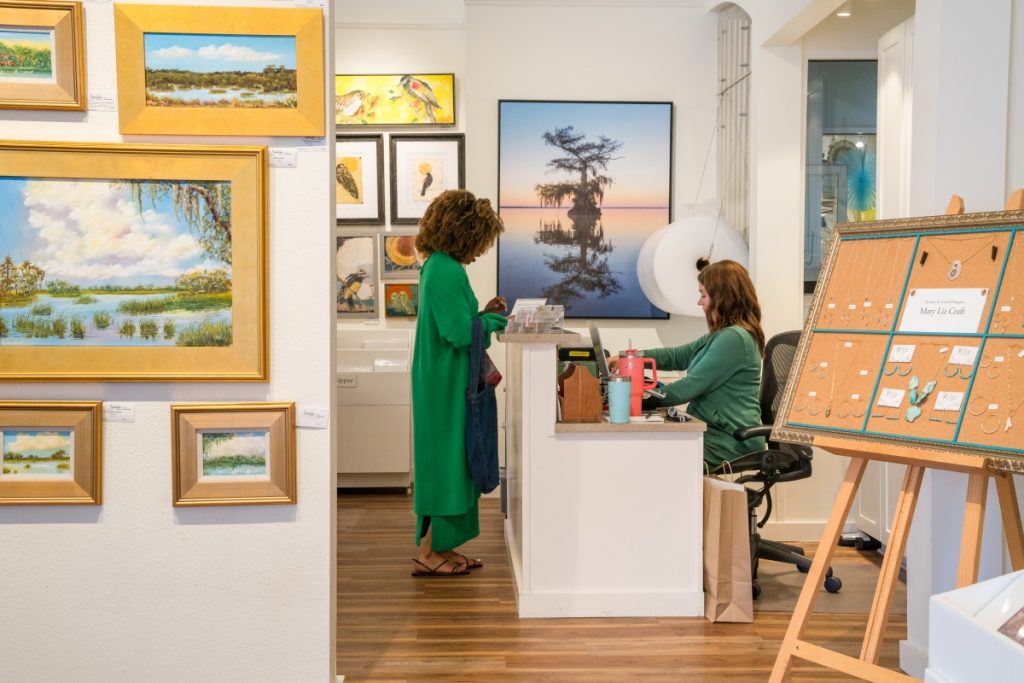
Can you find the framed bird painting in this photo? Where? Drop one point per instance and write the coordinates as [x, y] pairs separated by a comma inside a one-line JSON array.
[[394, 100], [359, 178], [422, 167], [357, 275]]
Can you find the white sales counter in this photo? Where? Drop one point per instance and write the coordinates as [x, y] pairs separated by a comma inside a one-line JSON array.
[[603, 520]]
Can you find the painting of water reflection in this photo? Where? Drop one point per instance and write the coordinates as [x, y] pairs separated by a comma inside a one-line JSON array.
[[234, 454], [581, 186]]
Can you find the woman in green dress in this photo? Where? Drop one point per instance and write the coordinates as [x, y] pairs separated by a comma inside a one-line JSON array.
[[456, 229], [723, 368]]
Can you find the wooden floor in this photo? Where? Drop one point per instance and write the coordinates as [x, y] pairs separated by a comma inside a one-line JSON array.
[[394, 627]]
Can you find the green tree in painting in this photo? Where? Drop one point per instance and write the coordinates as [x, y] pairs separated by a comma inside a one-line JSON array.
[[584, 157], [22, 58], [19, 283], [62, 288], [204, 206], [204, 281]]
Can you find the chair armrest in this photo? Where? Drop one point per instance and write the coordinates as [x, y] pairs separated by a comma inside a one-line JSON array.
[[744, 433]]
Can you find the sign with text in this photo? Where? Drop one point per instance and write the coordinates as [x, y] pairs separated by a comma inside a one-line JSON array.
[[944, 310]]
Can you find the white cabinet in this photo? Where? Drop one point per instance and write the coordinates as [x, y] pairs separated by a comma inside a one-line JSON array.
[[374, 408]]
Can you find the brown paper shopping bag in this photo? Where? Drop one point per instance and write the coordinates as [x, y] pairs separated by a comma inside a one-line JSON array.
[[727, 587]]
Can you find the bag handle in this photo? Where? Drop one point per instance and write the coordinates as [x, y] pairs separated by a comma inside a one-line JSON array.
[[476, 355]]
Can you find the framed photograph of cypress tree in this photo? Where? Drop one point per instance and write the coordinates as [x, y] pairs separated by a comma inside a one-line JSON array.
[[42, 55]]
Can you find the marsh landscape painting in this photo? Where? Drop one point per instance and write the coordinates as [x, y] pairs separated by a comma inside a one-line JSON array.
[[37, 454], [115, 263], [234, 454], [212, 70], [26, 55], [582, 185]]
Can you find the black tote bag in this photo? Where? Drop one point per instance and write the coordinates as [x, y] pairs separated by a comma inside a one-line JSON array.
[[481, 418]]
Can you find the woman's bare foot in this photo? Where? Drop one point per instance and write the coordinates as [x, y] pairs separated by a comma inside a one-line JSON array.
[[435, 564], [468, 562]]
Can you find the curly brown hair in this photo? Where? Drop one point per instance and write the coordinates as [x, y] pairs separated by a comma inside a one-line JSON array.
[[733, 299], [460, 225]]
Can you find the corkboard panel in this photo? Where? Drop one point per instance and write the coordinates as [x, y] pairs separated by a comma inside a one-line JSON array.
[[993, 416], [972, 251], [1008, 317], [864, 289], [837, 381]]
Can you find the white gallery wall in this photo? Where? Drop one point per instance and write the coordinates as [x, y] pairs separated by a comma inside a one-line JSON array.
[[134, 589]]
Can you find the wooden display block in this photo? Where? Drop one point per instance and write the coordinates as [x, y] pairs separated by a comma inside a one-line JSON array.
[[581, 395]]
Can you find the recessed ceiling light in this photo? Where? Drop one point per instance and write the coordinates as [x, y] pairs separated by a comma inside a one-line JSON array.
[[846, 9]]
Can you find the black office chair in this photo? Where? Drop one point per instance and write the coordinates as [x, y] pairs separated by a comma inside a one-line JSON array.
[[779, 462]]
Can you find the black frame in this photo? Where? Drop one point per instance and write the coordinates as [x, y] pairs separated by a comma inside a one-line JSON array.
[[379, 139], [396, 140]]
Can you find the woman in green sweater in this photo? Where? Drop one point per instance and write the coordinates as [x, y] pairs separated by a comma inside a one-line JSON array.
[[723, 368], [456, 229]]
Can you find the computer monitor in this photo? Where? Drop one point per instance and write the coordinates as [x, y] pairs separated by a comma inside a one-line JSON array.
[[599, 358]]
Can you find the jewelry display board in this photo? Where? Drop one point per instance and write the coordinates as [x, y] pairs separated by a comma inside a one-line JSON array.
[[916, 338]]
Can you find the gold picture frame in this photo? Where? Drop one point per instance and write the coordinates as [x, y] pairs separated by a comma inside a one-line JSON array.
[[53, 46], [295, 55], [172, 239], [51, 452], [233, 453]]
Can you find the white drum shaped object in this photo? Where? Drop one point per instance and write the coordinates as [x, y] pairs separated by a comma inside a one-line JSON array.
[[667, 266]]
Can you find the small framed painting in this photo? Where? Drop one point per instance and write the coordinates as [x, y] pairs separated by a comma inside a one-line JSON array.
[[401, 299], [359, 179], [187, 70], [399, 257], [42, 55], [422, 167], [394, 100], [233, 453], [357, 275], [51, 452]]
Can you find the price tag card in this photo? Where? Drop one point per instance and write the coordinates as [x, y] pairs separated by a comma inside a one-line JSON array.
[[114, 411], [901, 353], [283, 157], [315, 418], [891, 398], [949, 400], [102, 100], [963, 355]]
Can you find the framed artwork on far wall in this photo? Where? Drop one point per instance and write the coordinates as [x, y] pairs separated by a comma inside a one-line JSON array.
[[422, 167], [132, 263], [187, 70], [359, 178], [51, 452], [357, 287], [394, 100], [233, 453], [401, 299], [581, 187], [42, 55], [399, 257]]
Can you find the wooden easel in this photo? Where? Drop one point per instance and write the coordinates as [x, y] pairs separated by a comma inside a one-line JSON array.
[[917, 460]]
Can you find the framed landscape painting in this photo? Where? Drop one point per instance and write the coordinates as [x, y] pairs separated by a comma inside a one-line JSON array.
[[399, 258], [401, 299], [581, 186], [233, 453], [51, 452], [42, 55], [132, 262], [187, 70], [422, 167], [359, 179], [357, 275], [394, 100]]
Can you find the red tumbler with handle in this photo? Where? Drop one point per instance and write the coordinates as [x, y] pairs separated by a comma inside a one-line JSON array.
[[631, 364]]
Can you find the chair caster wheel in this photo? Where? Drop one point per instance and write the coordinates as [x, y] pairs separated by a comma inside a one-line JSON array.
[[803, 570], [755, 589], [833, 584]]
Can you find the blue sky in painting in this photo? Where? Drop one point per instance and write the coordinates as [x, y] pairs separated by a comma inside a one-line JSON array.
[[217, 52], [640, 173], [252, 444], [37, 444], [88, 233], [35, 39]]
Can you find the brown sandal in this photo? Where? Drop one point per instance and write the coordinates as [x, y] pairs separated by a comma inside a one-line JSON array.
[[458, 570], [470, 562]]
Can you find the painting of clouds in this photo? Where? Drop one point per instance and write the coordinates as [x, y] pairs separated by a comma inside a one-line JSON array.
[[234, 454], [26, 55], [115, 263], [209, 70], [37, 454]]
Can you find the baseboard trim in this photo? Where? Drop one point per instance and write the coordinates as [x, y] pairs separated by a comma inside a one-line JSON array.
[[913, 660], [798, 531]]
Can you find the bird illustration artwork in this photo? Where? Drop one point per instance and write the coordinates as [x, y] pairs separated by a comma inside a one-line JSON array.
[[346, 180], [350, 290], [401, 304], [421, 91], [353, 103], [428, 179]]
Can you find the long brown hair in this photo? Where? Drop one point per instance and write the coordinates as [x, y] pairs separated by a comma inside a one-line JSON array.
[[733, 299], [458, 224]]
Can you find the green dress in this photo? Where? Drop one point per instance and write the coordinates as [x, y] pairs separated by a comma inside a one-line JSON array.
[[444, 494], [722, 386]]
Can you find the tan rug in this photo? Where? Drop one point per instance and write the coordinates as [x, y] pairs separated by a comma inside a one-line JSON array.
[[781, 584]]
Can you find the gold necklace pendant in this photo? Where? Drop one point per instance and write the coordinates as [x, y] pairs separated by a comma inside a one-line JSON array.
[[955, 268]]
